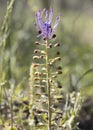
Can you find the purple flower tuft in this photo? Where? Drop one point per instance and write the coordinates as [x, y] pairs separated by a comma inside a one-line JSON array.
[[44, 27]]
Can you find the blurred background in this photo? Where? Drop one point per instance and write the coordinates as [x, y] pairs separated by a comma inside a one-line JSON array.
[[74, 33]]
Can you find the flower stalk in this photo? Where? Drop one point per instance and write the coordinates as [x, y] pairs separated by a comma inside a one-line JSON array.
[[48, 86], [43, 78]]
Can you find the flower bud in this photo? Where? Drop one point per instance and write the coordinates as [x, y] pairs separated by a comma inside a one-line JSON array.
[[39, 32], [44, 81], [37, 78], [37, 85], [37, 74], [59, 72], [43, 52], [38, 94], [36, 57], [54, 76], [54, 36], [50, 45], [37, 43], [36, 65], [43, 69], [58, 58], [58, 53], [59, 68], [36, 51], [38, 100], [57, 45], [42, 57], [50, 81]]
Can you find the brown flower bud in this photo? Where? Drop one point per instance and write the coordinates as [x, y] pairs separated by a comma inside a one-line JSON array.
[[42, 56], [37, 78], [58, 53], [36, 51], [37, 74], [36, 57], [54, 36], [37, 100], [38, 94], [37, 43], [59, 67], [50, 45], [54, 76], [59, 72], [50, 81], [57, 45], [58, 58], [36, 65]]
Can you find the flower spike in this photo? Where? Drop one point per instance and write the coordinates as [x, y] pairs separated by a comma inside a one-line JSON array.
[[44, 27]]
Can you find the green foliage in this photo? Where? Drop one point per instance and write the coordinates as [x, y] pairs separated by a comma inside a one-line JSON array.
[[14, 128]]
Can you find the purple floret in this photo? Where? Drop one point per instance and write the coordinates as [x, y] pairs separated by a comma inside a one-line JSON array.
[[44, 27]]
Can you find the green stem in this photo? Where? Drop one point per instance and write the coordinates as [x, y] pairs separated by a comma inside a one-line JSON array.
[[32, 93], [48, 87], [11, 113], [4, 33]]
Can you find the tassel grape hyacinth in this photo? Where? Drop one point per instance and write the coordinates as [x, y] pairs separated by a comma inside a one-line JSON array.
[[44, 93], [47, 103]]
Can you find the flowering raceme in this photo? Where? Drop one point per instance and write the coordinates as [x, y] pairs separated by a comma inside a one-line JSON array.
[[44, 27]]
